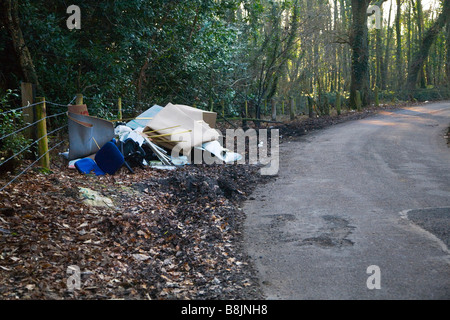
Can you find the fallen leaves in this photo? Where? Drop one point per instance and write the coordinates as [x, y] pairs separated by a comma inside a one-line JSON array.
[[163, 235]]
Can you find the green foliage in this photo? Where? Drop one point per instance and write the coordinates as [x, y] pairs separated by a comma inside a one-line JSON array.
[[431, 94], [152, 51], [387, 95], [198, 52], [9, 123], [42, 170]]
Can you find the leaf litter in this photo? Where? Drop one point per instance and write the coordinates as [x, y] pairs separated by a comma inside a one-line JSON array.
[[167, 235]]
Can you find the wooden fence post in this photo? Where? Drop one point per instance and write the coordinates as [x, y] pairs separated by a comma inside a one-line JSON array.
[[292, 110], [27, 92], [41, 115], [246, 108], [79, 99], [119, 104], [274, 110]]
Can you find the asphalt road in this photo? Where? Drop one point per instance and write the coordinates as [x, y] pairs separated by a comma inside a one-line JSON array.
[[372, 192]]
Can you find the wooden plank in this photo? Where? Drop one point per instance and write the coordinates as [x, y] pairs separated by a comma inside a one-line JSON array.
[[41, 115], [28, 114]]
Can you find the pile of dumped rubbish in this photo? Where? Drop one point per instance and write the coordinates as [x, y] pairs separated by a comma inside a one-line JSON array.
[[160, 137]]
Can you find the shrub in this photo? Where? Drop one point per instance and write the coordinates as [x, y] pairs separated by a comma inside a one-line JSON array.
[[10, 122]]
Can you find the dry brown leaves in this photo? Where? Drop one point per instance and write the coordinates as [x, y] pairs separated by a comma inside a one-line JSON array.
[[169, 235]]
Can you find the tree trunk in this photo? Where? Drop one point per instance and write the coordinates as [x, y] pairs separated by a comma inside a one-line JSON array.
[[399, 61], [10, 19], [447, 64], [279, 54], [360, 53], [385, 66], [422, 54], [344, 51], [142, 72], [379, 57], [335, 49], [419, 14], [141, 78], [408, 35]]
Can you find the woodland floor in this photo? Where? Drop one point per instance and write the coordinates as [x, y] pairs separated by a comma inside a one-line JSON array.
[[167, 234]]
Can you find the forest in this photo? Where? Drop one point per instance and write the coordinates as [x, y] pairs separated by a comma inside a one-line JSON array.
[[229, 53]]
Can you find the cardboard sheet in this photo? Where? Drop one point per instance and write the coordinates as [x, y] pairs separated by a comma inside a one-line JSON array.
[[183, 127]]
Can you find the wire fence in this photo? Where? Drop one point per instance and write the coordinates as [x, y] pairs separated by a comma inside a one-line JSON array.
[[30, 166], [111, 105], [36, 141], [109, 108], [112, 108], [21, 108]]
